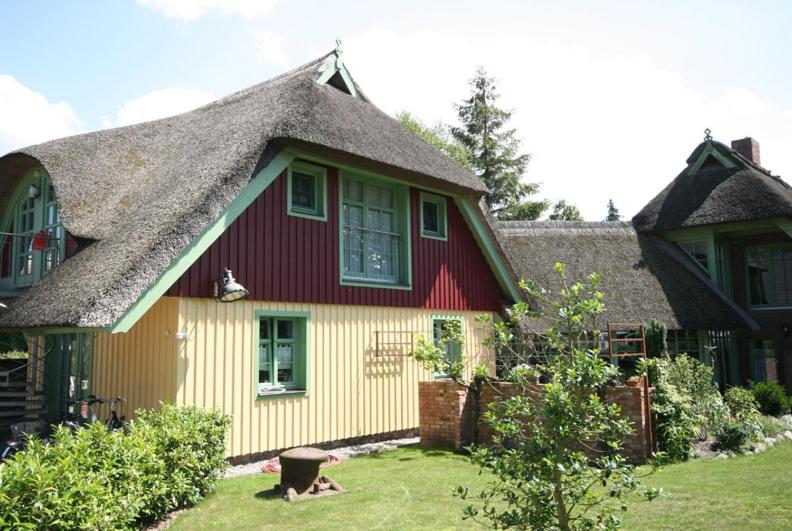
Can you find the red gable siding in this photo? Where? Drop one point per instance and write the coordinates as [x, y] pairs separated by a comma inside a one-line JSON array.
[[278, 257]]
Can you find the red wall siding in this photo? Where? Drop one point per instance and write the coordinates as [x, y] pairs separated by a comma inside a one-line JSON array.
[[278, 257]]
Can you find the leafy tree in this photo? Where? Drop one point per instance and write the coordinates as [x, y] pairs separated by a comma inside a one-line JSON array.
[[494, 150], [439, 136], [613, 212], [556, 452], [563, 211]]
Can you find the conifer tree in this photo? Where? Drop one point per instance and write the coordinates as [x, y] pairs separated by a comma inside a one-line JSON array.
[[613, 212]]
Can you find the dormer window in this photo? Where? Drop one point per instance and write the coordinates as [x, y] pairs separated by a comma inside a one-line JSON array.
[[32, 236]]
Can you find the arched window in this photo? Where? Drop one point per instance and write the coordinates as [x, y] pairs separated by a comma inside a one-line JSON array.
[[32, 237]]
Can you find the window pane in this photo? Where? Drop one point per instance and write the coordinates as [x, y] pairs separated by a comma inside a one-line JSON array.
[[285, 329], [303, 191], [353, 190], [758, 277], [697, 251], [264, 329], [284, 355], [264, 364], [430, 218]]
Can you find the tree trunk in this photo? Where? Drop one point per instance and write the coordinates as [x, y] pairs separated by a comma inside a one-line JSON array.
[[558, 496]]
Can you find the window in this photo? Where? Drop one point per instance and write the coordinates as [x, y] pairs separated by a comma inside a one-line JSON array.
[[453, 350], [434, 222], [307, 191], [769, 270], [765, 363], [282, 347], [698, 251], [684, 342], [37, 244], [374, 235]]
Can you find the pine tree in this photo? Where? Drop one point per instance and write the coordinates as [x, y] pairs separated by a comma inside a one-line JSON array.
[[613, 212], [563, 211], [495, 152]]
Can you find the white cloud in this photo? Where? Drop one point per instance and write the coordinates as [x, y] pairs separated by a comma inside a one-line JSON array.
[[191, 10], [270, 48], [157, 104], [598, 125], [28, 117]]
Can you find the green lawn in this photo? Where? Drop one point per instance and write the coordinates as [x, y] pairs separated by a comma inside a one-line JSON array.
[[411, 488]]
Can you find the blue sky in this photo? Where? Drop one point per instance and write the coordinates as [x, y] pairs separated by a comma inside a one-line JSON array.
[[609, 97]]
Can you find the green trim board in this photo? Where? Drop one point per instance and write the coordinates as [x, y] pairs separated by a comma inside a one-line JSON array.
[[401, 214], [708, 151], [199, 245], [440, 232], [460, 349], [302, 359], [785, 225], [338, 68], [319, 210]]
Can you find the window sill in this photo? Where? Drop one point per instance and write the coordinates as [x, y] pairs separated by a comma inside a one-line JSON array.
[[768, 308], [307, 215], [364, 283], [292, 393], [434, 236]]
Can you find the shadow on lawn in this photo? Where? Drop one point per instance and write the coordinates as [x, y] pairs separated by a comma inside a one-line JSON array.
[[417, 452]]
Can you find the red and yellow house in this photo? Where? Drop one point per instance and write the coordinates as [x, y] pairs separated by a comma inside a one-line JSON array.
[[349, 235]]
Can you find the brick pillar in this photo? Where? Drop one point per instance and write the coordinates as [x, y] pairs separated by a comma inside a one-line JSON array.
[[632, 401], [444, 414]]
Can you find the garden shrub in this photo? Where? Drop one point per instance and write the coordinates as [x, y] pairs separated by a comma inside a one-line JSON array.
[[742, 426], [771, 397], [673, 422], [771, 426], [696, 381], [99, 479]]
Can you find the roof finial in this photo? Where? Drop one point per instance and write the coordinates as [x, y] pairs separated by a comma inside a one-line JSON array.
[[707, 135], [338, 50]]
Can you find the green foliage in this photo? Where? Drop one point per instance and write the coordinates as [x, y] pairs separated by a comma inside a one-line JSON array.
[[14, 355], [438, 136], [99, 479], [555, 454], [673, 418], [563, 211], [494, 150], [696, 381], [742, 424], [613, 212], [770, 426], [433, 356], [656, 339], [771, 397]]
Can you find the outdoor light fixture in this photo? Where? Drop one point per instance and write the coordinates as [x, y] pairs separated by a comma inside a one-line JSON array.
[[3, 306], [33, 192], [227, 289]]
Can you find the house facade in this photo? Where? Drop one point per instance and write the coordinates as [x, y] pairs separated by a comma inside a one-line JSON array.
[[733, 219], [348, 235]]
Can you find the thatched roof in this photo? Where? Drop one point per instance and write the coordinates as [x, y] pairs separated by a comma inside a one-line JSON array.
[[141, 194], [641, 277], [717, 194]]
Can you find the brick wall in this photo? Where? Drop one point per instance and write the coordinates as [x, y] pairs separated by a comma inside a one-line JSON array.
[[446, 414]]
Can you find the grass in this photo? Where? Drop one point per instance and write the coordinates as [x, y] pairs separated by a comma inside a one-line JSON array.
[[411, 488]]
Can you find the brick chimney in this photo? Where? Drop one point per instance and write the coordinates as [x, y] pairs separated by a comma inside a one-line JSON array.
[[748, 148]]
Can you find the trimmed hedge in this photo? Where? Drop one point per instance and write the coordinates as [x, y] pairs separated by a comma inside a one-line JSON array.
[[99, 479]]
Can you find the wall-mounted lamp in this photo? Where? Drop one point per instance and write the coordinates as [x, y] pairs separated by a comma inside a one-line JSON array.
[[3, 306], [33, 192], [227, 289]]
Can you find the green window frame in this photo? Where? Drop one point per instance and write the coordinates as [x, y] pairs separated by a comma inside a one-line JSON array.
[[434, 216], [453, 351], [684, 342], [374, 233], [26, 215], [698, 251], [306, 191], [764, 360], [281, 359], [768, 270]]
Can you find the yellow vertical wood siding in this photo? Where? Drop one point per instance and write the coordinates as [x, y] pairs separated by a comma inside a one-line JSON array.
[[352, 392], [140, 365]]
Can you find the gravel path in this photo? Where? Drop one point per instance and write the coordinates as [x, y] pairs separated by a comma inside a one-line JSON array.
[[342, 454]]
